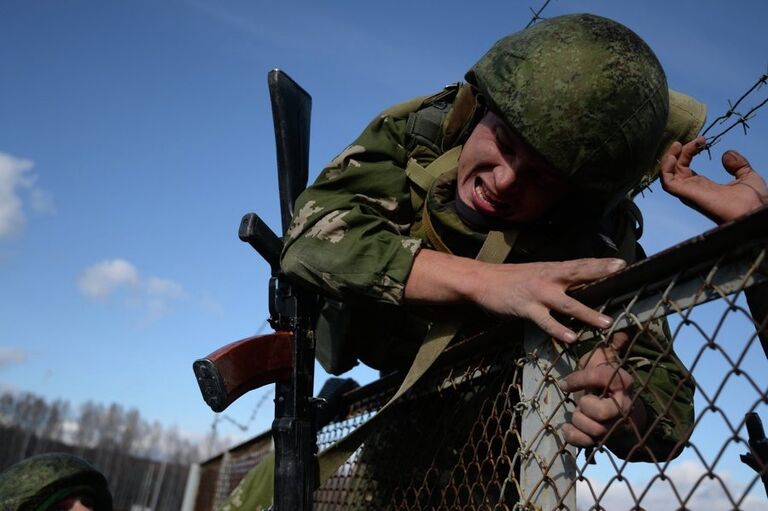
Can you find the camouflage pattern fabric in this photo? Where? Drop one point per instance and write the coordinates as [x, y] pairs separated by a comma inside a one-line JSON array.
[[579, 78], [356, 232], [39, 482], [585, 79], [254, 491]]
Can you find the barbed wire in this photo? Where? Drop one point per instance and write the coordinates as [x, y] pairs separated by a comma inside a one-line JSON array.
[[741, 119], [537, 14], [244, 426], [218, 418]]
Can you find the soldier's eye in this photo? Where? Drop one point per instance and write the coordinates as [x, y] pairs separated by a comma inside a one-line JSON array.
[[504, 140]]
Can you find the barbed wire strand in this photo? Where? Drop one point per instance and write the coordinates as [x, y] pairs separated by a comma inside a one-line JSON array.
[[731, 112], [218, 418], [537, 14]]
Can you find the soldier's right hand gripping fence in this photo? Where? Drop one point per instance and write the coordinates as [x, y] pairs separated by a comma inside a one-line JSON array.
[[483, 429]]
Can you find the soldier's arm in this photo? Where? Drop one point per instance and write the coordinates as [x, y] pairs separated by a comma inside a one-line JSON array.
[[350, 232]]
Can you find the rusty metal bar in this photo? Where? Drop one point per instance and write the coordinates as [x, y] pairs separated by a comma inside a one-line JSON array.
[[548, 464]]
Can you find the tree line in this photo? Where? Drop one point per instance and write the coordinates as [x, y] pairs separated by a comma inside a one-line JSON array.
[[101, 427]]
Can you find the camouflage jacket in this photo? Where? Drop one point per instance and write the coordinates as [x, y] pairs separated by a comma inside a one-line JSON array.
[[357, 229]]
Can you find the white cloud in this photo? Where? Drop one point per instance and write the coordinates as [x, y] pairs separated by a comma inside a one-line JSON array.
[[113, 277], [164, 288], [11, 356], [685, 481], [16, 176], [102, 279]]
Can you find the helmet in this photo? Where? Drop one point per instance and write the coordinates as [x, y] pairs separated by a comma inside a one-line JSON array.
[[39, 482], [585, 92]]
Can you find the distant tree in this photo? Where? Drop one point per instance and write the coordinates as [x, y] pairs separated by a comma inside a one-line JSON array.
[[87, 434], [111, 425], [131, 432], [7, 404], [53, 429]]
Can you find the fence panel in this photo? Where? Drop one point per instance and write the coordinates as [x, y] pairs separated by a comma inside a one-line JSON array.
[[484, 429]]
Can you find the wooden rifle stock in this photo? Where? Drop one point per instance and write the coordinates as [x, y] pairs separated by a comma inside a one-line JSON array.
[[244, 365]]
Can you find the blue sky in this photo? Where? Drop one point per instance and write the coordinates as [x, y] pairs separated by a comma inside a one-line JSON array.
[[134, 135]]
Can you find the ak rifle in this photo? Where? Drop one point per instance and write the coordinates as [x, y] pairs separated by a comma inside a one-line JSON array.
[[286, 357]]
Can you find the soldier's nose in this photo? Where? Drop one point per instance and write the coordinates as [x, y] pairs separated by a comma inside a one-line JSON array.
[[505, 177]]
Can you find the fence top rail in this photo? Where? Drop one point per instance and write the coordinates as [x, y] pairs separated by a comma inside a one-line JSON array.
[[730, 239]]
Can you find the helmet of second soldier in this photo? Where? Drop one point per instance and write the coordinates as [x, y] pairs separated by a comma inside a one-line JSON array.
[[585, 92], [45, 481]]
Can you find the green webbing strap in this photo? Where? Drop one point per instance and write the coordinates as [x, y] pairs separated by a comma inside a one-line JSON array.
[[495, 249], [423, 177], [431, 233]]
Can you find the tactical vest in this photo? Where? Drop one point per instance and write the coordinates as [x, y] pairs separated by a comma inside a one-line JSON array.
[[386, 337]]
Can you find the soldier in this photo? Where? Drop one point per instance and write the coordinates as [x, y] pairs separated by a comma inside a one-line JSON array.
[[554, 129], [54, 482]]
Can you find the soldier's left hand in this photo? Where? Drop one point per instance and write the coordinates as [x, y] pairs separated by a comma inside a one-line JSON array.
[[604, 397], [719, 202]]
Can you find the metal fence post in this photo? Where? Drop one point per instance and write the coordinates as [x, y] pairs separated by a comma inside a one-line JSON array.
[[191, 487], [548, 468]]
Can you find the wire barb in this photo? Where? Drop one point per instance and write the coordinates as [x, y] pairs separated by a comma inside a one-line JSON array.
[[741, 119], [537, 14]]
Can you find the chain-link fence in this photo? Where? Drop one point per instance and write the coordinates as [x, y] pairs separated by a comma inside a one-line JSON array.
[[484, 429], [219, 475]]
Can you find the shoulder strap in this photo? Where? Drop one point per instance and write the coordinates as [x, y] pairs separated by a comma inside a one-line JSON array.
[[425, 126], [423, 177]]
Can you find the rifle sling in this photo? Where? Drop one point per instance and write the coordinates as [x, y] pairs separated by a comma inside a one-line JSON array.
[[495, 249]]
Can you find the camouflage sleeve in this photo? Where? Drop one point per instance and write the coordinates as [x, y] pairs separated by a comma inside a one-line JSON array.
[[666, 388], [349, 235]]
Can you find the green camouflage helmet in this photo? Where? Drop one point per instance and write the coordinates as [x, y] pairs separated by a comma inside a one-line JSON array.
[[39, 482], [584, 91]]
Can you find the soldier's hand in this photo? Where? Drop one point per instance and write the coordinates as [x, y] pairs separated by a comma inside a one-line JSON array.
[[533, 290], [604, 397], [529, 291], [719, 202]]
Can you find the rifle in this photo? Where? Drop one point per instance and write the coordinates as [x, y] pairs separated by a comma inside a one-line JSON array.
[[285, 357]]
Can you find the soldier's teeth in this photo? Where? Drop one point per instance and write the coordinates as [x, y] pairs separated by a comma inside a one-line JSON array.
[[481, 192]]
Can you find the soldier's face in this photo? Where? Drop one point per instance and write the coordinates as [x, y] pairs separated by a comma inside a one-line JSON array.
[[502, 177], [76, 503]]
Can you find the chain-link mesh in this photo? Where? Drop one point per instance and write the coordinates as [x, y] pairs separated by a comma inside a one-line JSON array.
[[484, 429], [220, 475]]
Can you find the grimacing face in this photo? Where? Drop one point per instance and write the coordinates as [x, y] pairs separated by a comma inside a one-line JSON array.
[[500, 176]]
